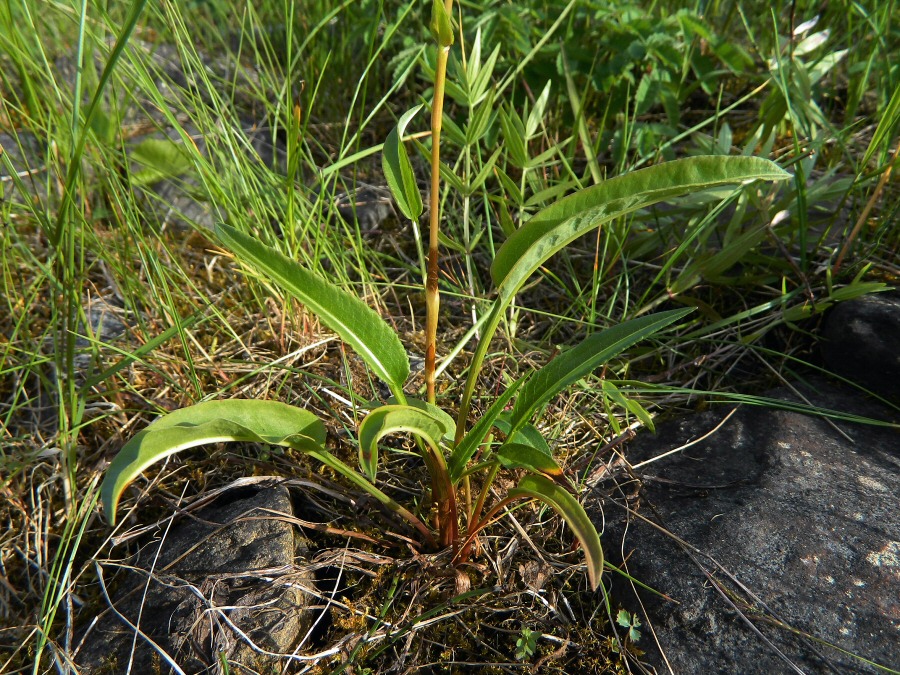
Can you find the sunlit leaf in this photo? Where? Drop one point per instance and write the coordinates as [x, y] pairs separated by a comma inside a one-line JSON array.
[[524, 456], [394, 419], [269, 422], [573, 513], [526, 433], [348, 316], [558, 225], [441, 26], [550, 230], [572, 365], [398, 169], [438, 414]]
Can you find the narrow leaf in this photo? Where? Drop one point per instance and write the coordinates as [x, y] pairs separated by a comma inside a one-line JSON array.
[[348, 316], [441, 26], [270, 422], [514, 135], [887, 120], [524, 456], [398, 169], [392, 419], [571, 366], [613, 393], [550, 230], [573, 513]]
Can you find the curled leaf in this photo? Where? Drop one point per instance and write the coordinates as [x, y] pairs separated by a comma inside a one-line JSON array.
[[270, 422], [573, 513], [392, 419]]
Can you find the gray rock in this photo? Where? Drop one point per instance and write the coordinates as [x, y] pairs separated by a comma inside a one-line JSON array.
[[862, 343], [367, 205], [27, 182], [205, 590], [805, 519]]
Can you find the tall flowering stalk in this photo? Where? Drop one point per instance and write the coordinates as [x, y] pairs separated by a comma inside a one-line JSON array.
[[442, 30]]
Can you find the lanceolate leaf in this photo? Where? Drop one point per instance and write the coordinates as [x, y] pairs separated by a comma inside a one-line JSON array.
[[526, 433], [523, 456], [398, 169], [571, 366], [556, 226], [441, 25], [392, 419], [348, 316], [573, 513], [270, 422], [438, 414]]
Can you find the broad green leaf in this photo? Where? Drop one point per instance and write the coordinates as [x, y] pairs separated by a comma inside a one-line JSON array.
[[393, 419], [160, 158], [348, 316], [398, 169], [558, 225], [526, 456], [527, 434], [571, 366], [438, 414], [573, 513], [269, 422], [551, 229], [464, 450]]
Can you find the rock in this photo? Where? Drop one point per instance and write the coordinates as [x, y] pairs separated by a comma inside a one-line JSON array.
[[217, 582], [804, 518], [862, 343], [367, 205], [26, 156]]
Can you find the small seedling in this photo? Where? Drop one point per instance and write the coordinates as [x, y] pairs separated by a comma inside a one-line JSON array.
[[631, 622], [526, 645]]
